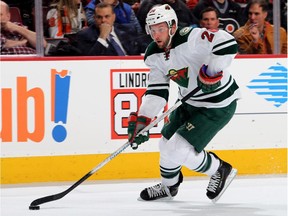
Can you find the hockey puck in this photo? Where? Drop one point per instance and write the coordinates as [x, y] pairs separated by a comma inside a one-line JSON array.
[[32, 207]]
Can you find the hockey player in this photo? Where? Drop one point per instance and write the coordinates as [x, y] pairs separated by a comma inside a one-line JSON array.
[[190, 57]]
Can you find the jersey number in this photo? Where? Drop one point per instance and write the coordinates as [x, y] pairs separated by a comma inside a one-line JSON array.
[[207, 35]]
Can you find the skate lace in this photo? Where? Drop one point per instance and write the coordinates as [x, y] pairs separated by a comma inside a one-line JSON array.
[[157, 191], [214, 182]]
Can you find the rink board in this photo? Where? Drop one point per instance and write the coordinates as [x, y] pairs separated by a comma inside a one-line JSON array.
[[63, 116], [129, 166]]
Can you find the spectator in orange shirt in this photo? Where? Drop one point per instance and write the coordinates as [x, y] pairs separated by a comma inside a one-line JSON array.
[[257, 35]]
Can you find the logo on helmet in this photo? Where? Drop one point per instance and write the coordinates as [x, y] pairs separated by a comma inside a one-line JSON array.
[[167, 7]]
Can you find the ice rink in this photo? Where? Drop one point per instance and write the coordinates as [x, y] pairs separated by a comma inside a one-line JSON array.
[[246, 196]]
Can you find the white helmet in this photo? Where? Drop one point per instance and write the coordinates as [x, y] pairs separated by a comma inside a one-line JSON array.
[[159, 14]]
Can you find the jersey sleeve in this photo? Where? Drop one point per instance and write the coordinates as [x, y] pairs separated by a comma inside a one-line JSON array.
[[158, 82], [223, 52], [220, 48], [157, 92]]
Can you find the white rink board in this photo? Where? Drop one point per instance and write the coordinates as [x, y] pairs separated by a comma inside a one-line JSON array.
[[258, 123]]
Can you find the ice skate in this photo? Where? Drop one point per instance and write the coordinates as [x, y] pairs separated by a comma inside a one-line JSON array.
[[220, 180], [160, 191]]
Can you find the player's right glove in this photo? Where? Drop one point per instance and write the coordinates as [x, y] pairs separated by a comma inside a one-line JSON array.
[[208, 83], [135, 124]]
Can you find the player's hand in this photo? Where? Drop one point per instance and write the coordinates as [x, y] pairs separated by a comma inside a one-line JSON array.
[[135, 124], [208, 83]]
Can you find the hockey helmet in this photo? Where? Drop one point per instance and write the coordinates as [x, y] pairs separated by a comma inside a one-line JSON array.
[[159, 14]]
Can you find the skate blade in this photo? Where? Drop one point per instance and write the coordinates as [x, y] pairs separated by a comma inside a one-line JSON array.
[[164, 199], [229, 179]]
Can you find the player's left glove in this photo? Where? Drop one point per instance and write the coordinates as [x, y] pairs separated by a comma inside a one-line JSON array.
[[135, 124], [208, 83]]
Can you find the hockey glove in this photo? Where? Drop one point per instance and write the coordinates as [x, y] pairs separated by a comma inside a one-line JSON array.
[[135, 124], [207, 83]]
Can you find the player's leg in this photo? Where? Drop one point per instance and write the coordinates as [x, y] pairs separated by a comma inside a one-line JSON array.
[[198, 128], [220, 180], [171, 177], [173, 154], [221, 173], [198, 131]]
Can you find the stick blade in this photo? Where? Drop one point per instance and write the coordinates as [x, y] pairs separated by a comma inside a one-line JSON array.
[[34, 207]]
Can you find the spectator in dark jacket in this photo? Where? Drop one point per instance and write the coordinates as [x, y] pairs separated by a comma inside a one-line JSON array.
[[124, 13], [98, 39], [230, 13]]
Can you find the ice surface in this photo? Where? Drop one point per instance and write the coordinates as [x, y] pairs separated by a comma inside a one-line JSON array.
[[246, 196]]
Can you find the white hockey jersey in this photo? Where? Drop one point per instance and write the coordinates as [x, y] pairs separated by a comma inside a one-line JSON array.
[[191, 48]]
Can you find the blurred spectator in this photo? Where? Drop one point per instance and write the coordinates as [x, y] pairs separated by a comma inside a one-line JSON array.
[[284, 10], [15, 38], [99, 39], [191, 4], [283, 13], [209, 18], [256, 36], [47, 3], [26, 11], [242, 3], [66, 17], [131, 2], [85, 3], [185, 16], [123, 11], [230, 13], [136, 6]]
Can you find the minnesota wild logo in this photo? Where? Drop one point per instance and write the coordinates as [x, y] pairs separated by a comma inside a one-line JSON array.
[[179, 76], [185, 30]]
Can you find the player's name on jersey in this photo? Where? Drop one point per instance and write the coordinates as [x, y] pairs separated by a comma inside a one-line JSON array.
[[124, 80]]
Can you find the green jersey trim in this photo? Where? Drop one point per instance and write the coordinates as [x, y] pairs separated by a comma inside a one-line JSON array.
[[152, 49], [224, 95], [227, 47], [161, 90], [181, 36], [164, 93]]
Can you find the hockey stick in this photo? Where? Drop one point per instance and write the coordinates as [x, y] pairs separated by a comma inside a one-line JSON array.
[[35, 204]]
